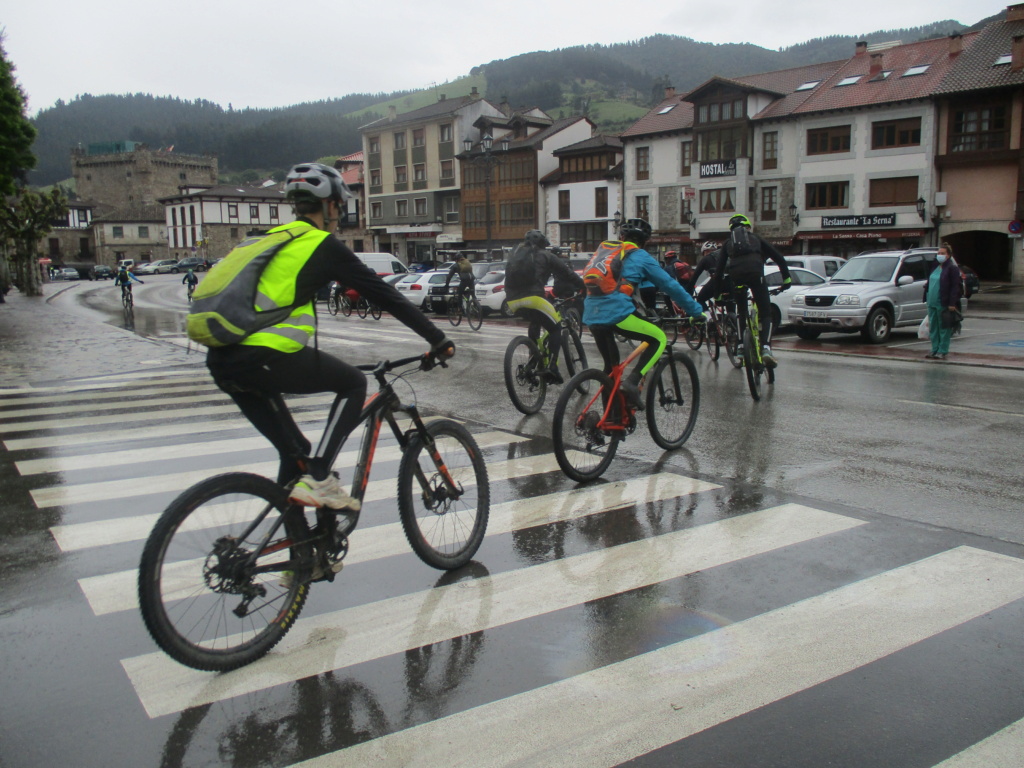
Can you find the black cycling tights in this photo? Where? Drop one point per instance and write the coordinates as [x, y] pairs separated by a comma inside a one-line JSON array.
[[257, 389]]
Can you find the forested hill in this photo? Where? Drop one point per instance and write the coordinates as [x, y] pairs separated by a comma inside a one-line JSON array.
[[625, 79]]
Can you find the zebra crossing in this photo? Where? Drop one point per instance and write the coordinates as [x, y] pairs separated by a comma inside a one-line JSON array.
[[636, 619]]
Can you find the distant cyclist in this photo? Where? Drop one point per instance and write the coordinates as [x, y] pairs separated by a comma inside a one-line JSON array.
[[191, 280], [527, 272], [124, 279], [741, 261], [708, 263], [467, 280], [614, 311]]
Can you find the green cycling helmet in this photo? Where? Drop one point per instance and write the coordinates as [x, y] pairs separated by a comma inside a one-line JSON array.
[[739, 220]]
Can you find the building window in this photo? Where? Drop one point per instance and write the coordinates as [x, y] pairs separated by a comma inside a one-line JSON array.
[[419, 172], [254, 211], [686, 154], [980, 127], [447, 169], [420, 206], [181, 176], [400, 140], [824, 141], [770, 150], [722, 110], [234, 235], [896, 133], [174, 217], [401, 174], [769, 203], [643, 203], [143, 231], [889, 192], [723, 144], [563, 204], [401, 208], [273, 213], [643, 163], [418, 137], [833, 194], [232, 212], [717, 200], [375, 177], [376, 210], [517, 214], [600, 202], [118, 232], [374, 144], [451, 209], [445, 132]]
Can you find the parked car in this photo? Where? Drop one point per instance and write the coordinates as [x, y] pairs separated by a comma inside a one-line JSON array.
[[826, 266], [101, 272], [162, 267], [802, 279], [414, 286], [194, 263], [871, 293], [68, 273], [490, 292], [971, 283]]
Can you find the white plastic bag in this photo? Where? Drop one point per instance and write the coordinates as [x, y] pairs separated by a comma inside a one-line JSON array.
[[923, 330]]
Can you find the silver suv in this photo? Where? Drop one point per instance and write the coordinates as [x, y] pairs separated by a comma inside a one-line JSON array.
[[871, 293]]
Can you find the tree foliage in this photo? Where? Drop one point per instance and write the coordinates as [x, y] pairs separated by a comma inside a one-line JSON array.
[[25, 218], [16, 132]]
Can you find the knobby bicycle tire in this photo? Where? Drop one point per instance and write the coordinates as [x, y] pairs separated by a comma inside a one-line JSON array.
[[474, 314], [673, 400], [751, 364], [444, 532], [200, 600], [454, 310], [524, 375], [584, 451]]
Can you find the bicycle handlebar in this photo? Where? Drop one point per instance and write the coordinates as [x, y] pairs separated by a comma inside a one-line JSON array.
[[427, 361]]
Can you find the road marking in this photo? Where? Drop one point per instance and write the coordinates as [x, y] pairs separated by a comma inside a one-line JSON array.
[[354, 635], [620, 712], [114, 592], [979, 409], [1003, 749], [120, 405]]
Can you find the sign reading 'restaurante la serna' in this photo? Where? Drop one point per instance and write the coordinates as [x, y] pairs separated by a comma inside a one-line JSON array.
[[718, 168], [873, 220]]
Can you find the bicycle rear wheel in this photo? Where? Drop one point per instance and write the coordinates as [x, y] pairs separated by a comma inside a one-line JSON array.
[[444, 531], [209, 586], [332, 305], [574, 354], [695, 336], [752, 364], [732, 342], [362, 308], [582, 449], [524, 376], [673, 400], [375, 312], [346, 306], [476, 314], [713, 337]]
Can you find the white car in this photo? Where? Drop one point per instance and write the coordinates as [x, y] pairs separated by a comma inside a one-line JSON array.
[[163, 267], [490, 292], [416, 286], [802, 280]]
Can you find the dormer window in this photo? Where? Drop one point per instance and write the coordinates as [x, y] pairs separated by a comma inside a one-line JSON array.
[[807, 86], [848, 80], [916, 70]]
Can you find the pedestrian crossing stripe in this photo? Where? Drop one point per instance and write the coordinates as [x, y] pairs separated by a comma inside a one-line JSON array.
[[1003, 749], [114, 592], [389, 626], [635, 706]]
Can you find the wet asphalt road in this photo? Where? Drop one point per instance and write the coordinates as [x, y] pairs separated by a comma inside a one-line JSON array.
[[903, 463]]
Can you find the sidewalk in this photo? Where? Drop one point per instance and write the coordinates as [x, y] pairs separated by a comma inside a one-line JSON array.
[[40, 344]]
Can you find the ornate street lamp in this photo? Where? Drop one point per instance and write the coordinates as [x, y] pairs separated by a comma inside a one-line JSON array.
[[922, 206], [488, 159], [793, 215]]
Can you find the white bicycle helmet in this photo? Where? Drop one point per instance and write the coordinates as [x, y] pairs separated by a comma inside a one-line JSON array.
[[318, 180], [708, 246]]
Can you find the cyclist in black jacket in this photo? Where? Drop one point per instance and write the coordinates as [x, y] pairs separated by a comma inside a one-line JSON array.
[[739, 268]]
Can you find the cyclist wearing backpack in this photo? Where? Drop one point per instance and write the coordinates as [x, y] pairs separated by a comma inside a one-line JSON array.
[[528, 270], [467, 280], [609, 306], [709, 254], [741, 262], [278, 359], [124, 279]]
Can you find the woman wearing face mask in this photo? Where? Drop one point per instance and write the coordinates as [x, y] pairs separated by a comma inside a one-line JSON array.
[[942, 293]]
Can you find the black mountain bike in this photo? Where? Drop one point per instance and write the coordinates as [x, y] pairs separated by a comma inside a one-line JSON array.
[[227, 567], [468, 306]]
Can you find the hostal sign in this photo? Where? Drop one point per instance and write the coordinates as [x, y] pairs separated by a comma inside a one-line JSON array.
[[718, 168], [873, 220]]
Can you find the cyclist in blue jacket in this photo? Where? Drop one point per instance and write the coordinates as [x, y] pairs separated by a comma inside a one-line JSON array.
[[615, 311]]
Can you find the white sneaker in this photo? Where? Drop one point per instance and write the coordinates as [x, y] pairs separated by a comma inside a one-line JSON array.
[[322, 493], [767, 357]]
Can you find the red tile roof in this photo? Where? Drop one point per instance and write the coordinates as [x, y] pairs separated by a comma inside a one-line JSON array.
[[679, 118]]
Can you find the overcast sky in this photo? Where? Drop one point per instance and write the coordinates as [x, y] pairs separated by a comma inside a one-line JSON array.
[[259, 53]]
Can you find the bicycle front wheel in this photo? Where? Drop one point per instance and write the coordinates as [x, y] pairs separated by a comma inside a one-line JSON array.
[[752, 364], [695, 336], [574, 354], [582, 448], [476, 315], [573, 320], [375, 312], [732, 343], [673, 400], [210, 587], [443, 528], [524, 376], [345, 306], [332, 305], [713, 337], [362, 308], [454, 311]]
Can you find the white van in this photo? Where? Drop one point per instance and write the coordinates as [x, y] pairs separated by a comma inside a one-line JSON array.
[[129, 263], [826, 266], [383, 263]]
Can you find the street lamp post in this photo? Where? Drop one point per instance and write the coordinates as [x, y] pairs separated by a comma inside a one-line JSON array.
[[488, 159]]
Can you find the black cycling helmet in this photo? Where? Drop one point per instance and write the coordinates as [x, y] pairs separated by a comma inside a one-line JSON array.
[[739, 220], [635, 231], [537, 239], [316, 180]]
